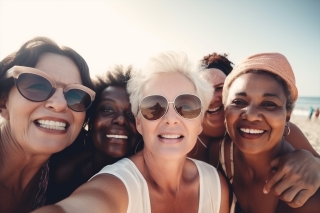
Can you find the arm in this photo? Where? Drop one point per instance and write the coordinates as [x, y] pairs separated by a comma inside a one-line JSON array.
[[299, 141], [104, 193], [297, 177], [224, 205]]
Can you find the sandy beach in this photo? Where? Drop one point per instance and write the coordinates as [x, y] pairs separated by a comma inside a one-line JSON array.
[[311, 129]]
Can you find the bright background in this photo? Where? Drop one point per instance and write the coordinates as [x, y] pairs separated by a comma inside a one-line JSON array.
[[109, 32]]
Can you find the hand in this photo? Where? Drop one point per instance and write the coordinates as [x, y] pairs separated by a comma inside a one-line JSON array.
[[296, 179]]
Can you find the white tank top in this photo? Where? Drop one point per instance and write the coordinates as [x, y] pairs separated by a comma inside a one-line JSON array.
[[138, 193]]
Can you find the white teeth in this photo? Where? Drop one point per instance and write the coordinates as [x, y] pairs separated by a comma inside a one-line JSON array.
[[170, 136], [251, 131], [214, 109], [49, 124], [117, 136]]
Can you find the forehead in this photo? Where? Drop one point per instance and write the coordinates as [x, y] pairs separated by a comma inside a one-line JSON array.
[[115, 92], [252, 83], [213, 76], [61, 68], [169, 85]]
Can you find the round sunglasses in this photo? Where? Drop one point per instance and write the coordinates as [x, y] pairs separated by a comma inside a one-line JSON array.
[[154, 107], [36, 85]]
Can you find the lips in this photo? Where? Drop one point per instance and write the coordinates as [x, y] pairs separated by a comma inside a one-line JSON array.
[[170, 136], [214, 110], [251, 132]]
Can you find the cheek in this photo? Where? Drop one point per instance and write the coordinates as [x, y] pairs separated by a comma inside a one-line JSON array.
[[230, 118], [78, 120]]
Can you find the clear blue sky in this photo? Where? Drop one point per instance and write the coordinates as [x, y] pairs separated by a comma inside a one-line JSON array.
[[112, 32]]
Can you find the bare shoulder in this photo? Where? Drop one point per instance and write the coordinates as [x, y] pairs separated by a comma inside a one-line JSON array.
[[104, 193], [224, 206]]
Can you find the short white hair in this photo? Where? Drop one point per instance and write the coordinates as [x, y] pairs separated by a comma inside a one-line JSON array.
[[169, 62]]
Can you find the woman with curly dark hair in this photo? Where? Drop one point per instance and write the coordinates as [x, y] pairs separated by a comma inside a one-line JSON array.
[[111, 136]]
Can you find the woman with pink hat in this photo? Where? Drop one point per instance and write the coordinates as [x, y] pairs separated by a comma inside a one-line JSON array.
[[258, 97]]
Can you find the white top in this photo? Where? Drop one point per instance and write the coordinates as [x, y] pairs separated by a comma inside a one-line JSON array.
[[138, 193]]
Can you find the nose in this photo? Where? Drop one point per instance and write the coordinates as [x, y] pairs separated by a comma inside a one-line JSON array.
[[252, 113], [171, 116], [120, 119], [57, 101]]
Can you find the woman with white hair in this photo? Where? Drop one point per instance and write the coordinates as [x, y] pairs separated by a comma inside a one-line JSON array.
[[168, 99]]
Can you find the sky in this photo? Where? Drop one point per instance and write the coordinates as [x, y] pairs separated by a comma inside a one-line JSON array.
[[110, 32]]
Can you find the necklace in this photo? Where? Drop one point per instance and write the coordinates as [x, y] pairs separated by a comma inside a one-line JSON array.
[[202, 142]]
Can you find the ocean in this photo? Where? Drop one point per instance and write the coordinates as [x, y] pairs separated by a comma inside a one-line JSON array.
[[303, 105]]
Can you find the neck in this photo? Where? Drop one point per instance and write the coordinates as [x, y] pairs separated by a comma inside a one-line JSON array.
[[164, 174], [100, 160], [17, 166], [259, 164]]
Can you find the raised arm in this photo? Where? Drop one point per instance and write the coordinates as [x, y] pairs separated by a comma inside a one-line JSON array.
[[104, 193], [297, 176], [299, 141]]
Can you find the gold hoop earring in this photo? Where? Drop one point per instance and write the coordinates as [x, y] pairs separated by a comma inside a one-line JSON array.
[[288, 130]]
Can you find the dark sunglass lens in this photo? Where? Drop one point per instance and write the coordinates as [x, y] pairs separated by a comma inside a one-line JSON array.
[[188, 106], [153, 107], [78, 100], [34, 87]]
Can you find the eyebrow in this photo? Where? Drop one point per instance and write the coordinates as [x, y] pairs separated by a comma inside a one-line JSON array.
[[264, 95], [221, 84], [271, 95], [241, 94], [107, 99]]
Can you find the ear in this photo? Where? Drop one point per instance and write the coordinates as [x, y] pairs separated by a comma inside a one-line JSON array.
[[288, 116], [200, 127], [3, 109], [138, 124]]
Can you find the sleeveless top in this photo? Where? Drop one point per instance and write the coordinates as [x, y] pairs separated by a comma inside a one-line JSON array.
[[40, 197], [235, 207], [138, 193]]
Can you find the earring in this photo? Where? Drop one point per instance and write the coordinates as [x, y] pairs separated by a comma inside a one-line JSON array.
[[288, 130], [196, 150], [135, 151]]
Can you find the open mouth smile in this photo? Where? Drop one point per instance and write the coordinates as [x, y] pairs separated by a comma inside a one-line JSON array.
[[170, 136], [50, 124], [251, 131], [214, 110], [117, 136]]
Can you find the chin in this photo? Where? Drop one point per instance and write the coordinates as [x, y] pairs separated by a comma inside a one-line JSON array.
[[116, 154]]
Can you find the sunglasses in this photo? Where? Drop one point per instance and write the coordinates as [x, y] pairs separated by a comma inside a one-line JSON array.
[[154, 107], [36, 85]]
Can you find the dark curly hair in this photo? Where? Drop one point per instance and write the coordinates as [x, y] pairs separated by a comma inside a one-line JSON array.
[[218, 61], [118, 76]]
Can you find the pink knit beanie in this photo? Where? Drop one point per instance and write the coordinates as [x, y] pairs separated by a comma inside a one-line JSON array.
[[270, 62]]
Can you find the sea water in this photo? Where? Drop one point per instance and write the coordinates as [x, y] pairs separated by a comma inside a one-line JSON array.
[[303, 105]]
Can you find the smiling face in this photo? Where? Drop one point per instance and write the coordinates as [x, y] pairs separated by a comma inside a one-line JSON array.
[[170, 136], [213, 122], [256, 112], [114, 130], [49, 126]]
